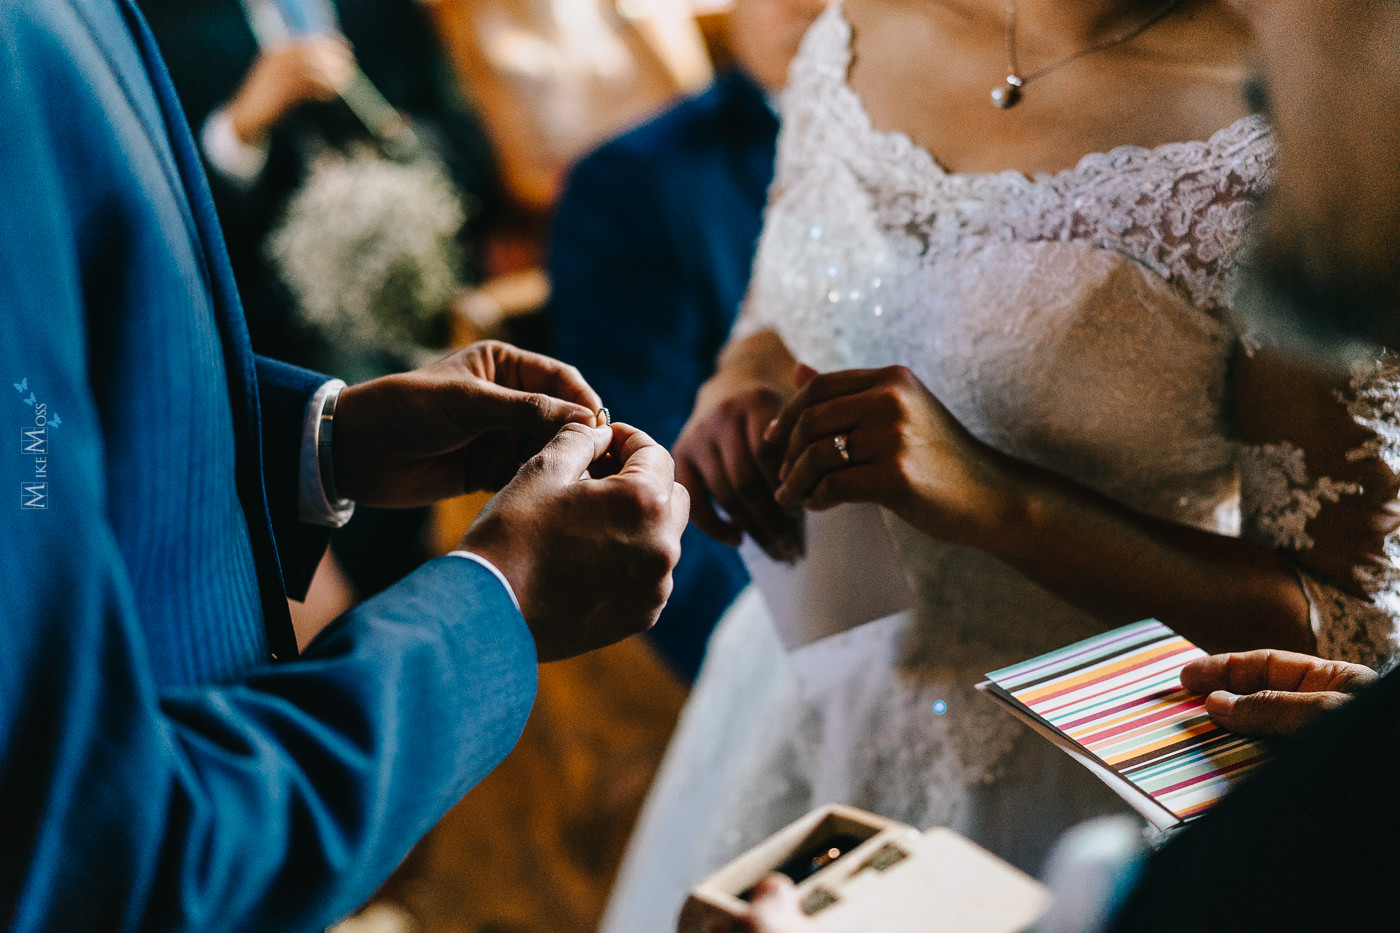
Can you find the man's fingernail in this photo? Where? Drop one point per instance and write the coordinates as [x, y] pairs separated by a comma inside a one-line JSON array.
[[770, 431], [1224, 700]]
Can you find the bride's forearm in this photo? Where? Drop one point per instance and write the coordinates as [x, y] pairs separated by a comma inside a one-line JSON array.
[[759, 358], [1221, 592]]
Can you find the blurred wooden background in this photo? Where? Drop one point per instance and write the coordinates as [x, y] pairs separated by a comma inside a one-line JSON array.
[[536, 845]]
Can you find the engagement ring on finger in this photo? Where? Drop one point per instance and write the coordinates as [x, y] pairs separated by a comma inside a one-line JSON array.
[[840, 442]]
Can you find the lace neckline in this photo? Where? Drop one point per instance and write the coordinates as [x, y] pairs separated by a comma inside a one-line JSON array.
[[836, 30]]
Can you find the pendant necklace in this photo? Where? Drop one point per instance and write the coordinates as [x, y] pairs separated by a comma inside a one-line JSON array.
[[1007, 94]]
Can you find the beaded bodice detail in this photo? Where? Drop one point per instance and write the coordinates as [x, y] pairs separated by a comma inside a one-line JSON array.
[[1179, 209], [1070, 319]]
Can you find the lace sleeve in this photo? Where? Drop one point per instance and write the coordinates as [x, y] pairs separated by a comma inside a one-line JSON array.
[[1319, 476]]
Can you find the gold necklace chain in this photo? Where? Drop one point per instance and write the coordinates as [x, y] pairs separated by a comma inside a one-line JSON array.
[[1007, 94]]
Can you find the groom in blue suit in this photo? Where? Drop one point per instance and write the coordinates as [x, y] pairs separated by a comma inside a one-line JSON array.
[[166, 760]]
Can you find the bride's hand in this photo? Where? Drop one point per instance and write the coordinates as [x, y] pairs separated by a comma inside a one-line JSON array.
[[722, 461], [902, 450]]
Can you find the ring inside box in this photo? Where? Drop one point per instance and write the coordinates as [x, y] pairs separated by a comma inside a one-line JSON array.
[[834, 842], [819, 851]]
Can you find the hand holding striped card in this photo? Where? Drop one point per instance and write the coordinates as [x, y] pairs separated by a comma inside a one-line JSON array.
[[1115, 703]]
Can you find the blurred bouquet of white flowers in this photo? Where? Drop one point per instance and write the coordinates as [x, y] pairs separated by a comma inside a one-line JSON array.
[[369, 248]]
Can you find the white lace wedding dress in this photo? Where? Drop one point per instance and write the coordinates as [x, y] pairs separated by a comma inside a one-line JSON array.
[[1072, 320]]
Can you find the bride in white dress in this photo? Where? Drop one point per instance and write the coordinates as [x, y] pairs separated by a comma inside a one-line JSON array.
[[1030, 362]]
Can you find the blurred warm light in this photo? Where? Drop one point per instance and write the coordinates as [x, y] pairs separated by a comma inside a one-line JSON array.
[[553, 78], [710, 7]]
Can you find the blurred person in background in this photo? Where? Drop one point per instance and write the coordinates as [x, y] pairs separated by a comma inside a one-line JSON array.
[[554, 78], [652, 245], [260, 82]]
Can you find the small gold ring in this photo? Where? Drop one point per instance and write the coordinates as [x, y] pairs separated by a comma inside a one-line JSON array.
[[840, 442]]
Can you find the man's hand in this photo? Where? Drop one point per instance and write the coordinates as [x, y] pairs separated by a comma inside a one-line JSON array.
[[285, 77], [1270, 692], [464, 424], [590, 559], [776, 908]]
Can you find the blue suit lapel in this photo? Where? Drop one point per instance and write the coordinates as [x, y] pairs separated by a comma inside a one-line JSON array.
[[165, 123], [104, 20]]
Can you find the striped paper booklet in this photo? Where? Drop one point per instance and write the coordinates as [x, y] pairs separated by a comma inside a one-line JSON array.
[[1115, 703]]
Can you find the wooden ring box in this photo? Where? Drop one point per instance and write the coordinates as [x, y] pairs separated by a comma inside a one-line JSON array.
[[895, 879]]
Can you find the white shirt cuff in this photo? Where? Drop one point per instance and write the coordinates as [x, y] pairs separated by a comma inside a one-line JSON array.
[[236, 161], [491, 567], [314, 505]]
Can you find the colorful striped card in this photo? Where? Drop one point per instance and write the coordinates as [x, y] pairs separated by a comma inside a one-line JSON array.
[[1116, 702]]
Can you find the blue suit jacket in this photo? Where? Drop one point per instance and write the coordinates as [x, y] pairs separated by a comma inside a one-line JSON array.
[[653, 242], [156, 771]]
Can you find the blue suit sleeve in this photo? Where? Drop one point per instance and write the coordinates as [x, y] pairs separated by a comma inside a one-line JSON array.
[[279, 801], [283, 394], [624, 308], [275, 799]]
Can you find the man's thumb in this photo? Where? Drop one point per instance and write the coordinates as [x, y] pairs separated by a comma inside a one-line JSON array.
[[1269, 712], [776, 908], [568, 454]]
